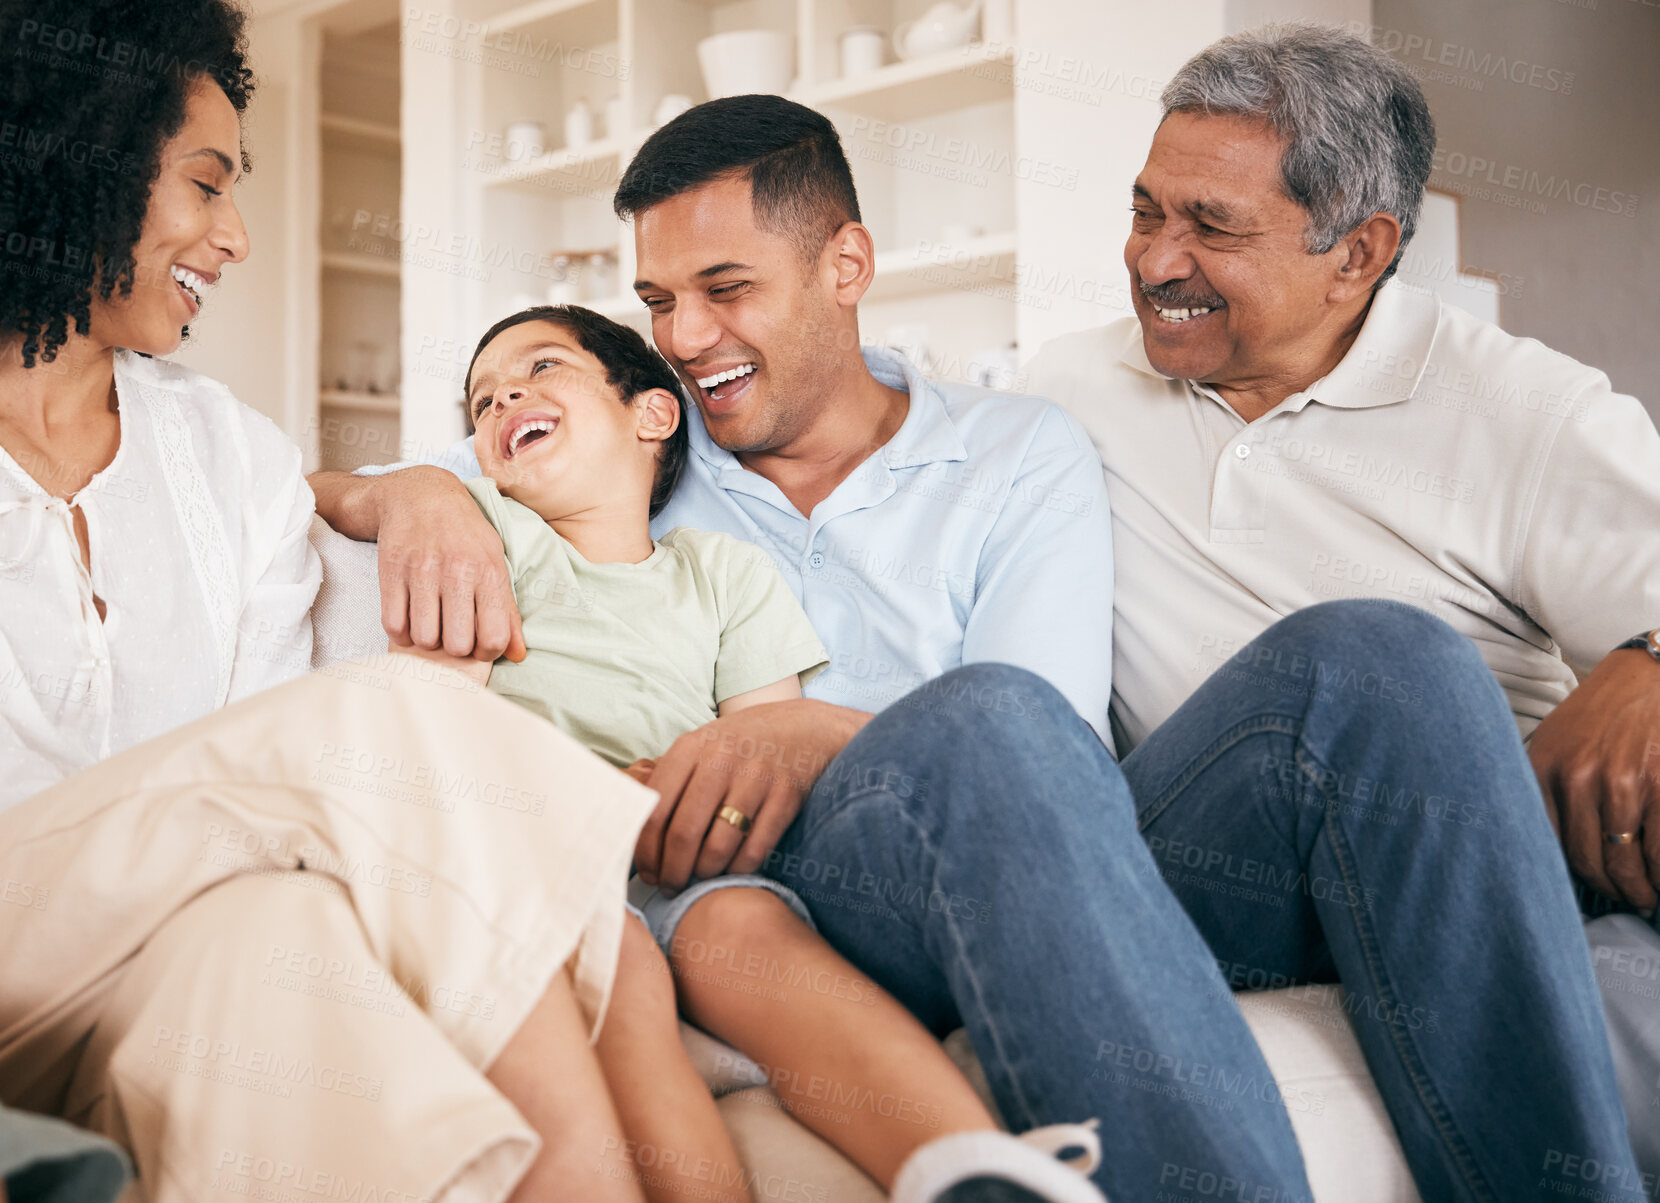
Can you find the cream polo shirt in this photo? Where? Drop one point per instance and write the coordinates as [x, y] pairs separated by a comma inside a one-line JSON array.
[[1498, 484]]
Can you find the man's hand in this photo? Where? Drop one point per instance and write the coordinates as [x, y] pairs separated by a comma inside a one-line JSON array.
[[443, 573], [762, 762], [1598, 760]]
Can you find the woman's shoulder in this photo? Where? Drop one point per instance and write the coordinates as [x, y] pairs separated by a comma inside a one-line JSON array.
[[224, 434]]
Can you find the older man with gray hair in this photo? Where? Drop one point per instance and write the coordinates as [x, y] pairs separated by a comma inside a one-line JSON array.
[[1282, 425]]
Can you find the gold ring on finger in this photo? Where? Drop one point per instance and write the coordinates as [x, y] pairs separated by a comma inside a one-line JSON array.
[[1620, 837], [735, 817]]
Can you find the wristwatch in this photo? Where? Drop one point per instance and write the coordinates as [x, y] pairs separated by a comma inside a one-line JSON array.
[[1649, 641]]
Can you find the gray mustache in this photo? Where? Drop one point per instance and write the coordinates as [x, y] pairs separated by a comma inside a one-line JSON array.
[[1173, 296]]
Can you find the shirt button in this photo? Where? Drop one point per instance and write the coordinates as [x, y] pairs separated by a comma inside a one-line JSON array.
[[816, 560], [1242, 451]]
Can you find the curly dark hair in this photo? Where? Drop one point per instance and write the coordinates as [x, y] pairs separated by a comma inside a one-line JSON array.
[[93, 90]]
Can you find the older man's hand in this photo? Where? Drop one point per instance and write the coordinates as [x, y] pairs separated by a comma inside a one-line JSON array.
[[1598, 760], [762, 761], [443, 571]]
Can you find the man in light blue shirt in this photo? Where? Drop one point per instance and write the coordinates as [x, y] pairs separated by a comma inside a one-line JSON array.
[[974, 847], [978, 533]]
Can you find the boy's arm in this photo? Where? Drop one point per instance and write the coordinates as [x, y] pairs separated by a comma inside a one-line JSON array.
[[785, 690], [779, 691]]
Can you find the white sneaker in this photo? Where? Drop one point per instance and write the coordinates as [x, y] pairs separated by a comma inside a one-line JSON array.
[[1029, 1162], [1057, 1138]]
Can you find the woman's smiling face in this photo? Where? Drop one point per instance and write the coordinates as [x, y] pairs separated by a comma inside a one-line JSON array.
[[192, 229]]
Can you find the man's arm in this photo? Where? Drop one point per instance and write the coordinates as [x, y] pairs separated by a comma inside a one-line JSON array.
[[443, 572], [1590, 576], [1043, 585]]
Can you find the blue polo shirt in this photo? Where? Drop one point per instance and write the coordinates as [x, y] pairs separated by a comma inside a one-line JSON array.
[[980, 532]]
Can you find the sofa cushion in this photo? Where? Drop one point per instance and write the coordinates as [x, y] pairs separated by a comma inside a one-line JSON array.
[[345, 618], [1349, 1146]]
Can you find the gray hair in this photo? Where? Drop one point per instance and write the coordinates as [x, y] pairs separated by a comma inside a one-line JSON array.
[[1356, 129]]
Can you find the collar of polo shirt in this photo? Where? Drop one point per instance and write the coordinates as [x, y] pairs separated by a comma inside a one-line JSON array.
[[926, 436], [1383, 367]]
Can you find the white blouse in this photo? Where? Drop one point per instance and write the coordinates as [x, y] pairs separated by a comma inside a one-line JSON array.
[[198, 538]]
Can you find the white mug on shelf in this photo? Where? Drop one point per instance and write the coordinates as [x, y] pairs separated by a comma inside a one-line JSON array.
[[670, 107], [862, 48], [526, 140], [741, 61], [943, 27], [579, 125], [997, 23]]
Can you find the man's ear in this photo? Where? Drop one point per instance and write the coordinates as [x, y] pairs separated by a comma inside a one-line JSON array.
[[1364, 255], [849, 259], [657, 415]]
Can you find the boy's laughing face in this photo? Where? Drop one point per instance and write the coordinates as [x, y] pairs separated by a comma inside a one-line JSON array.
[[549, 428]]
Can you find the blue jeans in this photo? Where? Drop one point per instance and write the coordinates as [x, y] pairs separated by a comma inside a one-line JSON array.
[[1347, 799]]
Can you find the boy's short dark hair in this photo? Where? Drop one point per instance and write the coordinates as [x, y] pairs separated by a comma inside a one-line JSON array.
[[800, 183], [631, 367]]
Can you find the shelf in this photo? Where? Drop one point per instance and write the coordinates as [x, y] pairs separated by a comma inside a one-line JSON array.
[[359, 264], [984, 265], [356, 134], [334, 398], [536, 10], [952, 79], [580, 172]]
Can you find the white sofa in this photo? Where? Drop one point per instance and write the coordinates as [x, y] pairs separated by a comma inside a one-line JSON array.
[[1348, 1144]]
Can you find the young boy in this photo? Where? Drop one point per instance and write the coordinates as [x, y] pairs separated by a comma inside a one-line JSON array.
[[630, 644]]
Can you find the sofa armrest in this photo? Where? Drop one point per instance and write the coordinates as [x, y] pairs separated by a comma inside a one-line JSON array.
[[345, 618]]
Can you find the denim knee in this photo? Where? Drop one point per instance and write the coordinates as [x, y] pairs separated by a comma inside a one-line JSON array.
[[1405, 641], [999, 702], [959, 748]]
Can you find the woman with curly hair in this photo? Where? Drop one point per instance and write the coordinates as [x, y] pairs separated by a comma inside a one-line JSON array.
[[346, 934]]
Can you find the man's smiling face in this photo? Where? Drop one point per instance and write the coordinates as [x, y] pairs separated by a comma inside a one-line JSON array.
[[1222, 281], [734, 308]]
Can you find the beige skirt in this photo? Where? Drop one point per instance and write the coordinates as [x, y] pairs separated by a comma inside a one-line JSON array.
[[273, 952]]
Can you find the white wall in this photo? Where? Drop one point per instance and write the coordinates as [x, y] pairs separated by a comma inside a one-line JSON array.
[[253, 332], [1086, 98], [1548, 122]]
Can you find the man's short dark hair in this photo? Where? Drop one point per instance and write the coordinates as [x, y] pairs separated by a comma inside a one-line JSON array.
[[800, 183], [631, 367]]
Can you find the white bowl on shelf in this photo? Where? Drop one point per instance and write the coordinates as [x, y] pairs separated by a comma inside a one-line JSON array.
[[742, 61]]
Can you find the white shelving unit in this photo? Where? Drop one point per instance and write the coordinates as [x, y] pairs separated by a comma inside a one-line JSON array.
[[931, 142], [359, 259]]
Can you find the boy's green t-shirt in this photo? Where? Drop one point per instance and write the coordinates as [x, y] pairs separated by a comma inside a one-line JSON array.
[[626, 658]]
